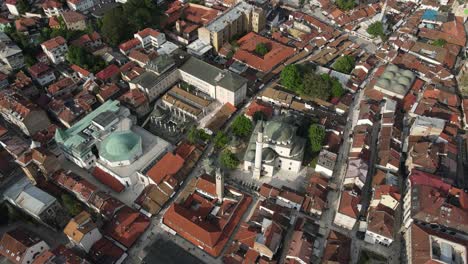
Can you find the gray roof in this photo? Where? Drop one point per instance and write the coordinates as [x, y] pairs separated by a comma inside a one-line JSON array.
[[146, 79], [213, 75], [229, 16], [28, 197], [396, 80]]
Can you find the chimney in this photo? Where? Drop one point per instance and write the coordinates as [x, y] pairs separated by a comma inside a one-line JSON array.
[[219, 185]]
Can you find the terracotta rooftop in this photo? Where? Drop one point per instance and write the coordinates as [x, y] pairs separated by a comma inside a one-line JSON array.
[[14, 243], [165, 168], [277, 53], [72, 17], [105, 252], [54, 43], [127, 226], [108, 180], [348, 205]]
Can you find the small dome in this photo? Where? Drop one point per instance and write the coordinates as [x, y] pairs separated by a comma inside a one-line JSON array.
[[399, 88], [388, 75], [384, 83], [268, 155], [408, 73], [405, 81], [392, 68], [278, 131]]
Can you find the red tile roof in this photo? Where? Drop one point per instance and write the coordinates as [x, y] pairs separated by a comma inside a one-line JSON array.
[[130, 44], [105, 252], [165, 168], [14, 243], [80, 70], [38, 69], [277, 54], [127, 226], [148, 32], [109, 72], [108, 180], [54, 43], [50, 4], [72, 17], [259, 106], [348, 205]]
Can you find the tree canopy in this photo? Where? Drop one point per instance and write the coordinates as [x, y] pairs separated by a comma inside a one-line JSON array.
[[291, 77], [305, 82], [197, 135], [261, 49], [316, 137], [345, 4], [242, 126], [376, 29], [344, 64], [315, 86], [119, 23], [220, 140], [336, 89], [73, 206], [228, 160], [79, 56]]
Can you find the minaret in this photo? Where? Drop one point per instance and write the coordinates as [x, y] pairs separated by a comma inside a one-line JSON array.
[[258, 153], [219, 185]]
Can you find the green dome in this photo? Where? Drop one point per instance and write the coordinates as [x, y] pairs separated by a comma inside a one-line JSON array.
[[279, 131], [119, 146]]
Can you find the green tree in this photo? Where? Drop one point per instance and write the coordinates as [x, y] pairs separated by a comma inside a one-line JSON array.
[[73, 206], [344, 64], [242, 126], [439, 42], [335, 85], [261, 49], [115, 27], [316, 137], [220, 140], [315, 86], [291, 77], [259, 115], [23, 6], [197, 135], [376, 29], [79, 56], [228, 160], [345, 4]]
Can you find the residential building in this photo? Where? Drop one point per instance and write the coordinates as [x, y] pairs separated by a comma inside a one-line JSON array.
[[21, 112], [10, 54], [315, 201], [80, 5], [300, 248], [82, 231], [356, 173], [274, 145], [149, 37], [126, 227], [55, 49], [427, 245], [326, 163], [52, 8], [348, 210], [12, 8], [60, 254], [136, 101], [106, 252], [380, 226], [239, 19], [21, 247], [74, 20], [62, 87], [337, 249], [42, 73], [36, 203]]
